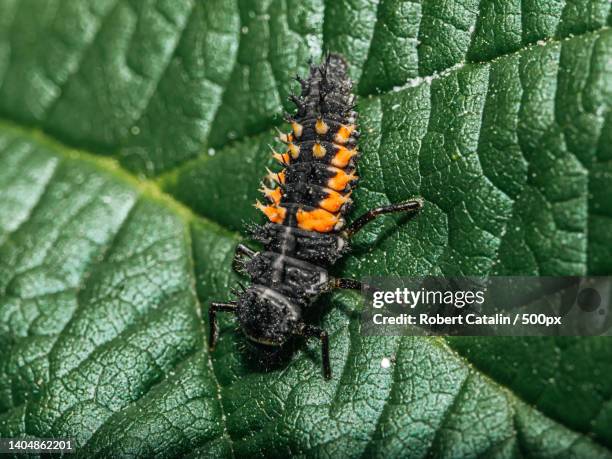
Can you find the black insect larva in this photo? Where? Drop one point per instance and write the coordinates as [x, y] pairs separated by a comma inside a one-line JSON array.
[[306, 230]]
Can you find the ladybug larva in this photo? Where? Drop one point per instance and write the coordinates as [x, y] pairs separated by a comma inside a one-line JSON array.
[[306, 204]]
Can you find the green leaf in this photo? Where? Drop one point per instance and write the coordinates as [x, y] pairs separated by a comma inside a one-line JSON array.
[[132, 140]]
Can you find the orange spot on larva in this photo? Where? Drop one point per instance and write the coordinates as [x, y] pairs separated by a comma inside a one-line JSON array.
[[274, 195], [339, 181], [277, 177], [274, 213], [318, 220], [281, 158], [343, 156], [321, 127], [294, 150], [318, 150], [297, 129], [344, 132], [334, 200]]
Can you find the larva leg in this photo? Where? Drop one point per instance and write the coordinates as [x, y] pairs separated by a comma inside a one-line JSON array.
[[350, 284], [413, 205], [310, 331], [242, 251], [212, 320]]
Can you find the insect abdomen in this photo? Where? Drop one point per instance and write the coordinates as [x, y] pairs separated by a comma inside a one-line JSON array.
[[314, 188]]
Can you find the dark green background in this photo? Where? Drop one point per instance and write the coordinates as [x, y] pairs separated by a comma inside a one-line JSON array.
[[132, 139]]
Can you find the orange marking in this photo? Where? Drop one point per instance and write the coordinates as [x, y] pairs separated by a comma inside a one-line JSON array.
[[276, 177], [274, 213], [274, 195], [297, 129], [294, 150], [321, 127], [334, 200], [318, 150], [283, 159], [318, 220], [343, 156], [344, 133], [285, 138], [339, 181]]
